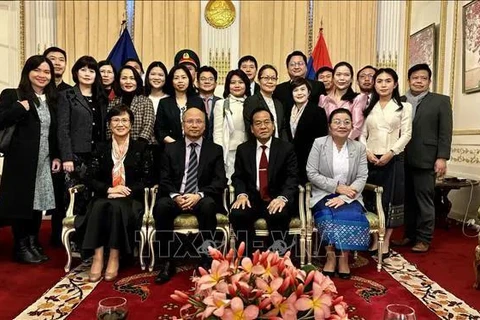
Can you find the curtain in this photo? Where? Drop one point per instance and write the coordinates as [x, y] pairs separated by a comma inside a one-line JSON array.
[[270, 30], [88, 28], [349, 28], [162, 28]]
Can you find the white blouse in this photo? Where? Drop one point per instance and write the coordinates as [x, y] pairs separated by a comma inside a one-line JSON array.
[[229, 127], [340, 164], [388, 128]]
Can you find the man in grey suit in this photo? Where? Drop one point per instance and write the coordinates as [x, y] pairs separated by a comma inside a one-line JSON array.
[[426, 156]]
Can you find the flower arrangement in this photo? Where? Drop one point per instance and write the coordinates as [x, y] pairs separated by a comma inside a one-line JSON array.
[[265, 287]]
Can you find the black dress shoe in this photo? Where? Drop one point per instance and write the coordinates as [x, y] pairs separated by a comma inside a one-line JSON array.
[[345, 276], [167, 270], [23, 254], [330, 274], [36, 249]]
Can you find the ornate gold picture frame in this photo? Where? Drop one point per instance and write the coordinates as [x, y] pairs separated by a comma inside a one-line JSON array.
[[471, 47]]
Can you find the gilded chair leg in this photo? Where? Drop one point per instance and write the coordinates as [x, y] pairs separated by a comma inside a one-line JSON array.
[[379, 253], [302, 248], [232, 239], [150, 237], [225, 240], [143, 232], [309, 247], [66, 243], [355, 255]]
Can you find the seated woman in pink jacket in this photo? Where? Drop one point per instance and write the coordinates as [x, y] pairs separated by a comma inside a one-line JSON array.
[[343, 96]]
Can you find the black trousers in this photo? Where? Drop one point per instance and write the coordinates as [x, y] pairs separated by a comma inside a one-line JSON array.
[[419, 204], [22, 228], [243, 221], [165, 212]]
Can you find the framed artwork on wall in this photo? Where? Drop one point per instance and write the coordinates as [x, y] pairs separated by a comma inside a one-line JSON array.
[[471, 47], [422, 49]]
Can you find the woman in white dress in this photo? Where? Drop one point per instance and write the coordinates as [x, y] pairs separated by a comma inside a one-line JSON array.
[[229, 127]]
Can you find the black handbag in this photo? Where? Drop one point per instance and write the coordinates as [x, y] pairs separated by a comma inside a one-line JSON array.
[[6, 135], [395, 212]]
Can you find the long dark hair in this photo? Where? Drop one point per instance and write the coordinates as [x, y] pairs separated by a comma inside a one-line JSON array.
[[239, 73], [138, 79], [98, 91], [376, 97], [148, 87], [350, 95], [170, 90], [25, 89], [108, 63]]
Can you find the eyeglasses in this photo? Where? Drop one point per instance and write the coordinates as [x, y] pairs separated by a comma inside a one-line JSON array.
[[366, 76], [116, 122], [267, 79], [203, 79], [194, 121], [260, 123], [338, 122], [296, 64]]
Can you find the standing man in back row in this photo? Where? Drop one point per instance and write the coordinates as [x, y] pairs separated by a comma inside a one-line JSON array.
[[297, 67], [426, 156]]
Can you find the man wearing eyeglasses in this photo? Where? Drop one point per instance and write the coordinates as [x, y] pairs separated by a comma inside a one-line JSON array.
[[207, 82], [192, 180], [265, 182], [365, 81], [297, 67]]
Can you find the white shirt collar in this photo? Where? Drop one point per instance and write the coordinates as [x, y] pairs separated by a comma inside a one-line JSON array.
[[269, 142], [188, 142]]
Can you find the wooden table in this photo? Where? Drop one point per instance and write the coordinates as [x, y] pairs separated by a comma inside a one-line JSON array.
[[442, 189]]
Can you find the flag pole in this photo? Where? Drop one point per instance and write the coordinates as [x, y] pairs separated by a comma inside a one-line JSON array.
[[123, 25]]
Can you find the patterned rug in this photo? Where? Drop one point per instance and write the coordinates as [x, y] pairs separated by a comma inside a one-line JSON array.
[[436, 298]]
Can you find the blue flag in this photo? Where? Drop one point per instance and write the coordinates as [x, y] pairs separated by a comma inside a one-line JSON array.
[[122, 50]]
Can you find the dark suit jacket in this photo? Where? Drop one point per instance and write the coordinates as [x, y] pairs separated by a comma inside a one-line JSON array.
[[168, 122], [75, 118], [210, 118], [283, 92], [211, 170], [17, 188], [257, 100], [137, 164], [256, 89], [312, 124], [282, 171], [431, 132], [63, 86]]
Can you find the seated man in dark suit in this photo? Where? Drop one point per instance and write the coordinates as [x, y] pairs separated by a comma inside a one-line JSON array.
[[296, 67], [192, 176], [265, 181]]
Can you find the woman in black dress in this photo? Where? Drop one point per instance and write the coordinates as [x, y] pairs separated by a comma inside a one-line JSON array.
[[118, 174], [27, 189]]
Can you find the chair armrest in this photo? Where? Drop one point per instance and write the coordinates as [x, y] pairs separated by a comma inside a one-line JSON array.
[[301, 206], [153, 197], [226, 205], [146, 194], [308, 210], [378, 204], [373, 187], [231, 191], [72, 191]]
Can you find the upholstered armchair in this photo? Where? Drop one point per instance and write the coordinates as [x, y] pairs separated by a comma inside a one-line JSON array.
[[297, 224], [69, 226], [184, 224], [376, 221]]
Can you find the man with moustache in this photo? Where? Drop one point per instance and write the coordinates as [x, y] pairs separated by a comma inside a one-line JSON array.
[[297, 67], [249, 65], [365, 81], [58, 57], [192, 179], [265, 182], [426, 156]]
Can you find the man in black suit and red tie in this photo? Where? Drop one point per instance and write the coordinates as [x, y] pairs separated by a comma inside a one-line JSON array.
[[192, 178], [296, 67], [265, 181]]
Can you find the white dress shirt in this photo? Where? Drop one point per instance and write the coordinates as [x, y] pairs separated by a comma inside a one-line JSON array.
[[259, 155], [271, 107], [387, 128]]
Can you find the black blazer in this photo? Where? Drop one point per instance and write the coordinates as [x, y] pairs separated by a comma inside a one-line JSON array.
[[210, 118], [257, 100], [431, 132], [63, 86], [312, 124], [75, 118], [17, 188], [168, 122], [138, 162], [282, 171], [283, 92], [256, 89], [211, 170]]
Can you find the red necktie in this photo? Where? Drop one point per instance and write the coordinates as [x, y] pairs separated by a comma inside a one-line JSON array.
[[263, 175]]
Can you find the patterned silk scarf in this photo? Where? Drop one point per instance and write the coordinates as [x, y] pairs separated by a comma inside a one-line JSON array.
[[119, 152]]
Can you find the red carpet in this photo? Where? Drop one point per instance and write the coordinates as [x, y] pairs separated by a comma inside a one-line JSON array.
[[449, 263]]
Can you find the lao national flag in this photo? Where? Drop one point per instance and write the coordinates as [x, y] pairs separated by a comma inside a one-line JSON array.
[[123, 50], [319, 58]]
